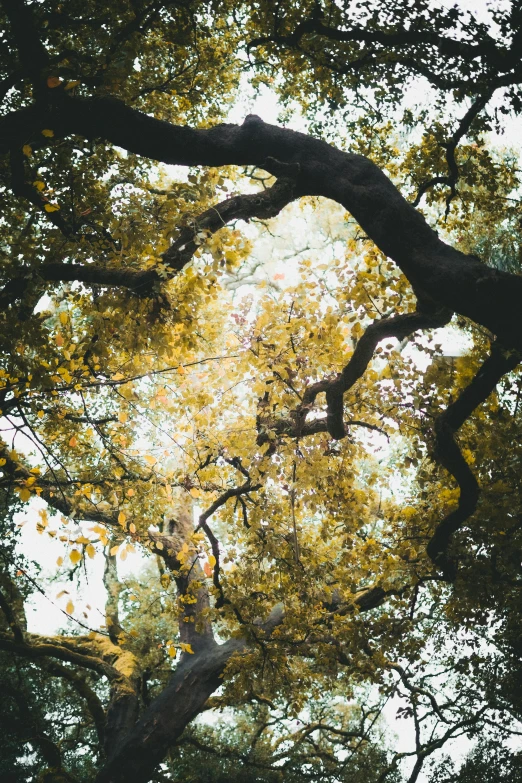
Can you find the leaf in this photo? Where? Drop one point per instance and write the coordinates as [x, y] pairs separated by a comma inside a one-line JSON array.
[[186, 648], [211, 561], [75, 556], [132, 527], [69, 607], [25, 494], [40, 414], [53, 81], [27, 150], [73, 442], [39, 185], [59, 561], [51, 207], [90, 550], [122, 417], [64, 318], [48, 133], [172, 651], [121, 518], [70, 85], [114, 550]]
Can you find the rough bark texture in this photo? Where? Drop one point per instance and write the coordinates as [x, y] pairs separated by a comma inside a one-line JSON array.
[[437, 271], [195, 679]]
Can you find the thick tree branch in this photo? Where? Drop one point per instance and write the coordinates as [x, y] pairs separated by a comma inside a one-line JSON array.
[[80, 685], [145, 283], [453, 280], [33, 56], [195, 627], [56, 650], [113, 589], [448, 453]]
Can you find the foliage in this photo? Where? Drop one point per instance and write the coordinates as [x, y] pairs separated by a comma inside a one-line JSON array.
[[225, 398]]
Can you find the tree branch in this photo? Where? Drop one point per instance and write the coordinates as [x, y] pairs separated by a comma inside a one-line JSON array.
[[448, 453], [453, 280], [146, 283], [451, 146], [295, 425]]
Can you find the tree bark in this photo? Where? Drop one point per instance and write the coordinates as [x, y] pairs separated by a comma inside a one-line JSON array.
[[195, 679], [437, 271]]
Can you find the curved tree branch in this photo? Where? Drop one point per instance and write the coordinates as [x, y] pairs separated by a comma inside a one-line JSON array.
[[146, 283], [448, 277], [451, 146], [295, 425], [448, 453]]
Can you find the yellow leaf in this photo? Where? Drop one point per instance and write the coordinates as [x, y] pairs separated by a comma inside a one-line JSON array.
[[122, 417], [114, 549], [165, 580], [59, 561], [62, 593], [73, 442], [186, 648], [51, 207], [130, 493], [64, 317], [39, 185], [132, 527], [211, 561], [194, 492], [24, 495], [53, 81], [150, 459], [90, 550], [75, 556], [27, 150], [121, 518], [48, 133], [70, 85], [40, 414], [172, 651], [2, 462], [123, 554], [70, 607]]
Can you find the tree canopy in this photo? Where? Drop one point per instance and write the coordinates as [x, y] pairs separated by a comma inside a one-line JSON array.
[[228, 357]]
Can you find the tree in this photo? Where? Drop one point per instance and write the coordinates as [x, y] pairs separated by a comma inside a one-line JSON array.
[[139, 395]]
